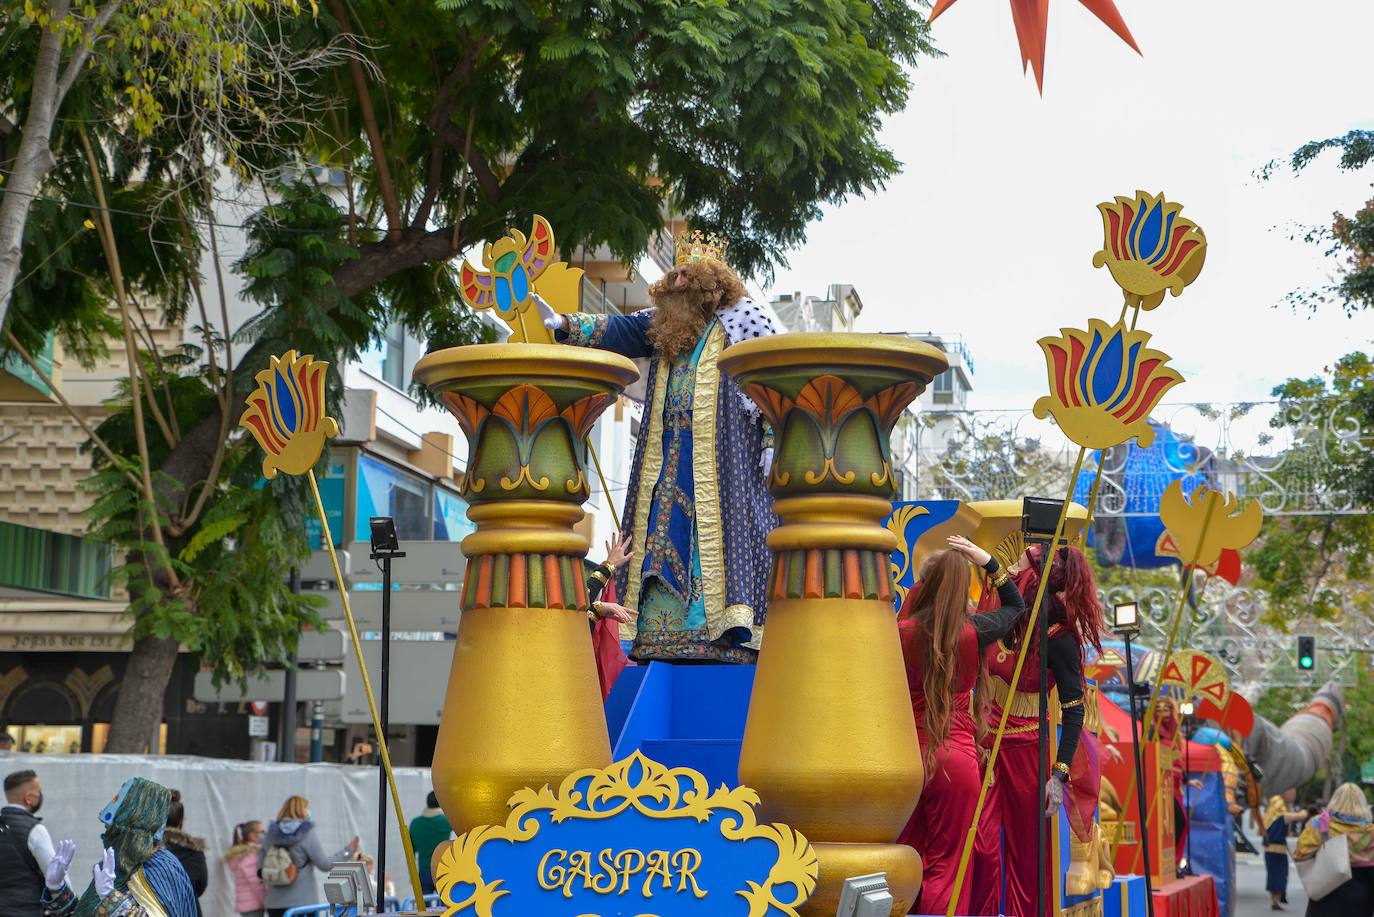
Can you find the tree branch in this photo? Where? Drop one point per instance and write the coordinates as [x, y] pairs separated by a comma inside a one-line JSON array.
[[131, 353], [385, 186], [83, 49]]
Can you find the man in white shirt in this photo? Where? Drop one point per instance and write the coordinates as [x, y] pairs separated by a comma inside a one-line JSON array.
[[25, 847]]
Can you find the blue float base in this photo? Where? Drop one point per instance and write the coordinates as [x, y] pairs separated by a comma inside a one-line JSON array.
[[682, 716]]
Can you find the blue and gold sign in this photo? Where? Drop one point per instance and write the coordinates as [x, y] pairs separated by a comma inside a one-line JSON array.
[[631, 840]]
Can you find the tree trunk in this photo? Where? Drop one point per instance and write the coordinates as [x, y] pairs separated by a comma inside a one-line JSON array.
[[139, 706], [31, 165]]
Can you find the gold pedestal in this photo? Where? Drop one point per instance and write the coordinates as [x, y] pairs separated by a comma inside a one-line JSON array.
[[830, 744], [523, 706]]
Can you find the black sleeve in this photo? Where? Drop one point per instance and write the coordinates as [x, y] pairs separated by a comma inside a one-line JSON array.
[[193, 861], [1066, 665], [596, 581], [992, 626]]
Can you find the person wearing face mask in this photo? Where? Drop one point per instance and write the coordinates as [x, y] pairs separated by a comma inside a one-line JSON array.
[[291, 855], [25, 847]]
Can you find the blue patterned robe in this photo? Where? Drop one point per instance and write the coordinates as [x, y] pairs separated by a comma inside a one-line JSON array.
[[698, 502]]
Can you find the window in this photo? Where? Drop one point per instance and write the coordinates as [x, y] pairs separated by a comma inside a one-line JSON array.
[[384, 490], [944, 383], [450, 516], [394, 356]]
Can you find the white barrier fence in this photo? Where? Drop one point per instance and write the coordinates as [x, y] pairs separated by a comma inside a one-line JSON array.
[[218, 794]]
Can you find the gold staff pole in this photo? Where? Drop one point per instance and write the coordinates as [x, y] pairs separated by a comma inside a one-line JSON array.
[[610, 503], [1026, 641], [371, 702]]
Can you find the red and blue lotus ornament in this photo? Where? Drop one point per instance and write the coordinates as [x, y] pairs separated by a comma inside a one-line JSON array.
[[1149, 247], [1104, 382], [286, 414]]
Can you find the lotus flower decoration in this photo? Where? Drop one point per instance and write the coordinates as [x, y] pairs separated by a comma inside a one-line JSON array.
[[1104, 382], [286, 414], [1207, 523], [1149, 247]]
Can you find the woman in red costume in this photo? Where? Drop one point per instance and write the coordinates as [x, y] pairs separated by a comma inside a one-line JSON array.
[[1006, 833], [942, 644]]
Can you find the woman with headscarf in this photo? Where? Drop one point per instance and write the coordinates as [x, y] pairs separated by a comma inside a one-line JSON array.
[[1006, 852], [942, 645], [137, 876], [1346, 814], [1276, 820]]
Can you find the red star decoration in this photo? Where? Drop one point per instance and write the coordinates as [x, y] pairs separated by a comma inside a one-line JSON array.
[[1031, 18]]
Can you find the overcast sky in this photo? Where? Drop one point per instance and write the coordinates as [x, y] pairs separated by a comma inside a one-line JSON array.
[[991, 227]]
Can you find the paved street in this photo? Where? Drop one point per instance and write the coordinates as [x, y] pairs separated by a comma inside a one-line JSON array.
[[1251, 898]]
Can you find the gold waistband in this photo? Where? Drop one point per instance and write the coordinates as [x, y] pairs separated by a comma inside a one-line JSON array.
[[1022, 704]]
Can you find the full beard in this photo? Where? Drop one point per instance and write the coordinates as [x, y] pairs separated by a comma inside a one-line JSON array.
[[679, 320]]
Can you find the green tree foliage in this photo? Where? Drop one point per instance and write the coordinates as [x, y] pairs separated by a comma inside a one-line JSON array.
[[1319, 564], [1349, 239], [447, 122]]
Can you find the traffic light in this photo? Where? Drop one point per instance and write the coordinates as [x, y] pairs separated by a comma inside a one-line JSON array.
[[1307, 653]]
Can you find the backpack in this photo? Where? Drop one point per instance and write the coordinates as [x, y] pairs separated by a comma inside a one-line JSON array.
[[278, 869]]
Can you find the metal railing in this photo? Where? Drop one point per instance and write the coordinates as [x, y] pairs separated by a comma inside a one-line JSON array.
[[593, 300]]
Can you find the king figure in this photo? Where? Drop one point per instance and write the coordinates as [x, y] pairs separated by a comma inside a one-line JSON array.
[[698, 504]]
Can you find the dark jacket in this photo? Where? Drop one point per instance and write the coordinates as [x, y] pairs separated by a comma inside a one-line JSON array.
[[21, 881], [190, 852]]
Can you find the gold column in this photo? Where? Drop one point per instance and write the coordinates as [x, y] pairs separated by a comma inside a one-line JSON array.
[[523, 706], [830, 744]]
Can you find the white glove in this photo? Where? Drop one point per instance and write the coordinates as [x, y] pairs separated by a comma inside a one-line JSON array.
[[104, 874], [57, 866], [552, 320], [1054, 795], [766, 461]]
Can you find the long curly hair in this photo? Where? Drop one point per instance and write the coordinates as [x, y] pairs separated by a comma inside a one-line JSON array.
[[938, 604], [1070, 598], [685, 299]]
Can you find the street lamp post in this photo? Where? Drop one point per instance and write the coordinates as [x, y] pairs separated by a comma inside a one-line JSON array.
[[1126, 624]]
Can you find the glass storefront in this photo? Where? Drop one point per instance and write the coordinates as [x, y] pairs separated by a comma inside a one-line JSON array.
[[357, 486]]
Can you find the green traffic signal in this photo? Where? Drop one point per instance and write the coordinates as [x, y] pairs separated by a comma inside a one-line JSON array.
[[1307, 653]]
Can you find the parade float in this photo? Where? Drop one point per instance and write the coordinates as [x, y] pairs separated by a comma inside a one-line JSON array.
[[778, 788]]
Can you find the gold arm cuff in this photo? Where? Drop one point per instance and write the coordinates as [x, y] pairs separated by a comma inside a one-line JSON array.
[[592, 615], [999, 579], [1061, 768], [1076, 702]]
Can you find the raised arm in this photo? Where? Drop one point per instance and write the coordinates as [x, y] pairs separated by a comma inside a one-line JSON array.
[[993, 625], [627, 335]]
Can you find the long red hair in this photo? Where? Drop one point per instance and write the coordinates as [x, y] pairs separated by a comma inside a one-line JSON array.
[[938, 604], [1070, 597]]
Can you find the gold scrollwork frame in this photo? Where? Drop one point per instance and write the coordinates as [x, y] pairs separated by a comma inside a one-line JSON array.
[[658, 792]]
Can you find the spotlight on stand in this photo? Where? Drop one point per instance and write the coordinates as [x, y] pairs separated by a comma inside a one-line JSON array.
[[349, 884], [1186, 708], [1126, 619], [385, 549], [383, 534], [1040, 517], [1126, 624], [1040, 523]]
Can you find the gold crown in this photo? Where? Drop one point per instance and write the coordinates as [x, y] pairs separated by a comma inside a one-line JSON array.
[[699, 246]]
